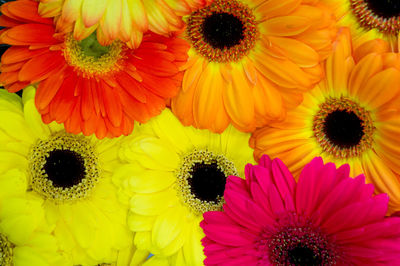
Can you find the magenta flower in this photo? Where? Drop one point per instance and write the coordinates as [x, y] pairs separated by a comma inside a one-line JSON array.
[[325, 218]]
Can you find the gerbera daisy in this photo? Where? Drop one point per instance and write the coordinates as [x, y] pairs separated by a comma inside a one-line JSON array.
[[369, 19], [326, 218], [25, 235], [173, 175], [119, 19], [350, 117], [88, 87], [250, 60], [71, 174]]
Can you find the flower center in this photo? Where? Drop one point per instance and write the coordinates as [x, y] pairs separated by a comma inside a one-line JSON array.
[[6, 251], [382, 15], [384, 8], [303, 256], [295, 241], [224, 31], [90, 59], [201, 180], [64, 167], [207, 182], [91, 47], [343, 128]]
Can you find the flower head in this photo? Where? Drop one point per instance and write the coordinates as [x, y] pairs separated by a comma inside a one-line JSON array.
[[352, 117], [70, 175], [171, 175], [90, 88], [326, 218], [118, 19], [25, 233], [251, 60], [369, 19]]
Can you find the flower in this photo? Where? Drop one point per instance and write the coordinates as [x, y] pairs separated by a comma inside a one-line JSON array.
[[123, 20], [369, 19], [90, 88], [251, 60], [71, 175], [25, 237], [171, 175], [350, 117], [326, 218]]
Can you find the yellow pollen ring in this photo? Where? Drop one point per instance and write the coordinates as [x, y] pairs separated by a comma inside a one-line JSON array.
[[343, 104], [63, 141], [90, 66], [6, 251], [183, 175]]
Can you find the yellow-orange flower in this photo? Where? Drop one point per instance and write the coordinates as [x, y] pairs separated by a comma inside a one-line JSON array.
[[352, 116], [251, 60], [369, 19], [126, 20]]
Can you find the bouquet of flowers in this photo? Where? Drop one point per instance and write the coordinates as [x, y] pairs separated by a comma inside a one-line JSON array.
[[200, 132]]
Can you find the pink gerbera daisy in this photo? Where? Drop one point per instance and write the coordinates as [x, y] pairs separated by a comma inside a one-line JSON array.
[[326, 218]]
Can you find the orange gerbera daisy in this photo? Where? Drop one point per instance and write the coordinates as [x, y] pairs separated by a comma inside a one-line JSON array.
[[126, 20], [88, 87], [369, 19], [250, 60], [352, 116]]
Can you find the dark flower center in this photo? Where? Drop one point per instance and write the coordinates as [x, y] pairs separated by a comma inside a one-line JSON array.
[[222, 30], [303, 256], [384, 8], [64, 168], [343, 128], [207, 182]]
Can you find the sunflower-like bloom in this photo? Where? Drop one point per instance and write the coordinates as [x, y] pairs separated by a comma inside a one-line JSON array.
[[25, 235], [369, 19], [118, 19], [350, 117], [326, 218], [90, 88], [172, 175], [71, 175], [250, 60]]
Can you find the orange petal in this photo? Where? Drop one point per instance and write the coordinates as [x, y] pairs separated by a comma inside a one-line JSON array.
[[29, 34], [238, 100], [297, 51], [41, 66], [275, 8], [381, 88], [285, 25], [208, 111], [363, 71]]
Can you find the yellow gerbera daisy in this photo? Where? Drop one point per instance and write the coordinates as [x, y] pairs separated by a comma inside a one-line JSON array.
[[352, 116], [251, 60], [172, 175], [71, 176], [25, 235], [369, 19], [126, 20]]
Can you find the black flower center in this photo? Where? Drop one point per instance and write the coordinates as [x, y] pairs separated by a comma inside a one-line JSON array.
[[222, 30], [384, 8], [207, 182], [303, 256], [64, 168], [343, 128]]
